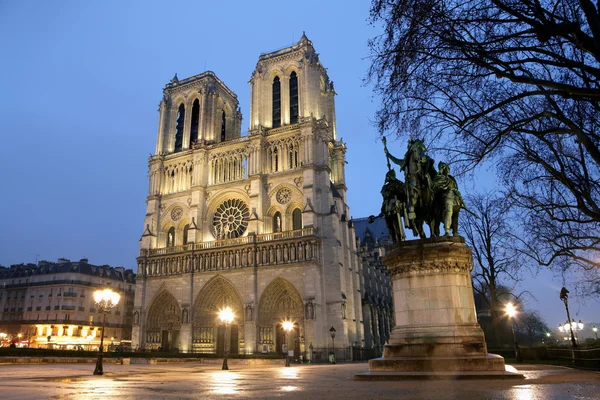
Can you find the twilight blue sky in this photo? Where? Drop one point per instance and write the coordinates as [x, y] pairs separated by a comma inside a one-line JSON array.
[[81, 84]]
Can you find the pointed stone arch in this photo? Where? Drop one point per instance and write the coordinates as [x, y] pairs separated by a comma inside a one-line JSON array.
[[215, 295], [280, 300], [163, 315]]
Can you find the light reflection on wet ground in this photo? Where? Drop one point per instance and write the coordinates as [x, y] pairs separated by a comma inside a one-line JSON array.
[[224, 382], [201, 381]]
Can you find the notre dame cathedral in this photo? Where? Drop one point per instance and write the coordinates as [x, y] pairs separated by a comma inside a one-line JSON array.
[[258, 223]]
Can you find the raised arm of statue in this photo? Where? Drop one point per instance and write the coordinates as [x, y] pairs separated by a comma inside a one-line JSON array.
[[397, 161], [389, 157]]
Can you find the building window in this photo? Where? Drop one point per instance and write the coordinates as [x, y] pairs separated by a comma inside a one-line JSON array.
[[293, 156], [195, 120], [179, 128], [171, 237], [293, 98], [297, 219], [277, 222], [276, 102], [223, 126], [185, 233]]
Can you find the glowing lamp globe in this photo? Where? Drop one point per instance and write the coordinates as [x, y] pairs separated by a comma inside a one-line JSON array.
[[511, 311], [107, 296], [287, 326], [226, 315]]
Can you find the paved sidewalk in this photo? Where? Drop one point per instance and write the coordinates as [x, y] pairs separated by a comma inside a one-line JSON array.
[[202, 381]]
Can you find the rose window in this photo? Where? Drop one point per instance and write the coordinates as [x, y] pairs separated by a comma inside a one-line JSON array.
[[231, 219], [284, 195], [176, 213]]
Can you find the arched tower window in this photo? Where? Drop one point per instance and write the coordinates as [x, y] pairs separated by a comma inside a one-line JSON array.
[[223, 126], [293, 98], [195, 120], [277, 222], [171, 237], [297, 219], [179, 128], [276, 102], [185, 233]]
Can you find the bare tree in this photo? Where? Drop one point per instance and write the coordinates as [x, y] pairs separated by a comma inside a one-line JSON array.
[[531, 327], [511, 82], [497, 261]]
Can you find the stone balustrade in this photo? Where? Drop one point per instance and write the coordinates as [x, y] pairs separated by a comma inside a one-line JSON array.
[[250, 251]]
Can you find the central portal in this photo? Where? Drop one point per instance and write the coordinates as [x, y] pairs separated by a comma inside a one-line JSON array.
[[223, 335]]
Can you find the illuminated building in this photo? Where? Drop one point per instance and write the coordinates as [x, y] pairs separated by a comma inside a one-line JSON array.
[[258, 223], [51, 304], [376, 287]]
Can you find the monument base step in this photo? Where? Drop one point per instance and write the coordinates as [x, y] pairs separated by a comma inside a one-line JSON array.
[[508, 373], [489, 366]]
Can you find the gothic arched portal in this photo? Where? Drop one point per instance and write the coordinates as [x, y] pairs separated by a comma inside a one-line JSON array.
[[208, 332], [279, 302], [163, 322]]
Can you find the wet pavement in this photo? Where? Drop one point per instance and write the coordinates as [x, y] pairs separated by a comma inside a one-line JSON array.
[[208, 381]]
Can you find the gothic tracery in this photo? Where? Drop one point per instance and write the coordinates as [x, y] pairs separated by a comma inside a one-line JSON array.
[[164, 314]]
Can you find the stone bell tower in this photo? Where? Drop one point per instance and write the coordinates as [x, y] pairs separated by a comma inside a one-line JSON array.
[[288, 85], [258, 223]]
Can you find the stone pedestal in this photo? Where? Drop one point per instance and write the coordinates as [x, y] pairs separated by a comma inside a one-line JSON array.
[[436, 333]]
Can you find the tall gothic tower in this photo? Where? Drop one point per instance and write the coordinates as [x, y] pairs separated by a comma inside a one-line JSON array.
[[257, 223]]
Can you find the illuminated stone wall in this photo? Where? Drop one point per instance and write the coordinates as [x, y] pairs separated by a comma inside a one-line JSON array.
[[263, 215]]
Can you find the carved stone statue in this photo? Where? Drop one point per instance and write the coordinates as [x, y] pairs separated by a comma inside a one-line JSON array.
[[310, 310], [249, 312]]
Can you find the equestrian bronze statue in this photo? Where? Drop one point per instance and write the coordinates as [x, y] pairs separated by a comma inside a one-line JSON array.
[[426, 197]]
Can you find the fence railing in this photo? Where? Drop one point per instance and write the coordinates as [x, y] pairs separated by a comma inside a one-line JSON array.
[[583, 358]]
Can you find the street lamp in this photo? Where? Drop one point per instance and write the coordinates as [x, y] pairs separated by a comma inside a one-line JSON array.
[[511, 311], [332, 333], [287, 328], [564, 296], [105, 300], [573, 326], [595, 331], [226, 316]]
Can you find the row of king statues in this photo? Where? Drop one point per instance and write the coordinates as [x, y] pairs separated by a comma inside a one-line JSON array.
[[426, 197]]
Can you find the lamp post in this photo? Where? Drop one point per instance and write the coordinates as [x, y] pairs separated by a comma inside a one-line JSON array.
[[105, 300], [332, 333], [564, 296], [287, 328], [511, 311], [595, 331], [226, 316]]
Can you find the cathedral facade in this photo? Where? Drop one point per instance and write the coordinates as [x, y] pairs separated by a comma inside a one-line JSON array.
[[258, 223]]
